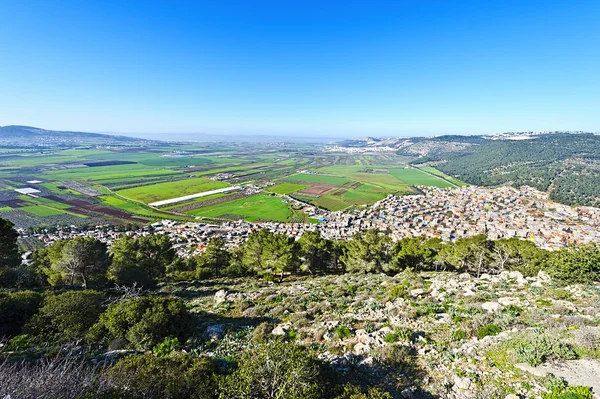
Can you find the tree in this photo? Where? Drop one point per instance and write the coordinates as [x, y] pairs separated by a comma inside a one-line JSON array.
[[471, 254], [215, 257], [517, 254], [315, 252], [81, 260], [141, 260], [252, 258], [16, 309], [66, 317], [280, 256], [368, 251], [416, 253], [9, 249]]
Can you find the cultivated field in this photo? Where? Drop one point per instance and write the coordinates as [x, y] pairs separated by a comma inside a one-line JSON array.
[[83, 185]]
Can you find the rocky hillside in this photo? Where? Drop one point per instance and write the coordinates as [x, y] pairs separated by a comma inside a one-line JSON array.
[[441, 335]]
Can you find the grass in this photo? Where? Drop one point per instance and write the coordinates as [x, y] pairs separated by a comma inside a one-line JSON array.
[[167, 190], [416, 177], [5, 209], [301, 177], [134, 208], [258, 206], [441, 174], [287, 188]]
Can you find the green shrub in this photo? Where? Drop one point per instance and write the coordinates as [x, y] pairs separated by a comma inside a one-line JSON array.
[[390, 338], [489, 329], [168, 346], [535, 349], [404, 334], [19, 343], [342, 332], [275, 370], [143, 323], [350, 391], [559, 389], [393, 355], [580, 264], [458, 335], [177, 377], [399, 291], [16, 309], [66, 317]]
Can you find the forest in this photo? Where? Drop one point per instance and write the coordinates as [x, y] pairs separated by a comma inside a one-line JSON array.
[[565, 165]]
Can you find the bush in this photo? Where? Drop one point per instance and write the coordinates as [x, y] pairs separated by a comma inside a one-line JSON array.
[[143, 323], [535, 349], [66, 317], [393, 355], [579, 264], [489, 329], [165, 348], [458, 335], [559, 389], [342, 332], [275, 370], [177, 377], [16, 309], [350, 391]]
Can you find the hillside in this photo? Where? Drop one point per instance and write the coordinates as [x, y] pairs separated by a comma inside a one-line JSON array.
[[15, 135], [565, 164]]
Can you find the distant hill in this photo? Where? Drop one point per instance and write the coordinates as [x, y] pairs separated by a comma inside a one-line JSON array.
[[16, 135]]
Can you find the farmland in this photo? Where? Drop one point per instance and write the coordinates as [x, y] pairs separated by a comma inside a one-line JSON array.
[[130, 184]]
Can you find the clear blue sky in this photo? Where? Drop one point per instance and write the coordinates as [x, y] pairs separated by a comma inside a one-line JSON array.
[[301, 67]]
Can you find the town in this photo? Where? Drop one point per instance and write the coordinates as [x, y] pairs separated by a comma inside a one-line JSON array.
[[448, 214]]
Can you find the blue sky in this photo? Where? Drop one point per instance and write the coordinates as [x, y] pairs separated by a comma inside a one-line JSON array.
[[301, 67]]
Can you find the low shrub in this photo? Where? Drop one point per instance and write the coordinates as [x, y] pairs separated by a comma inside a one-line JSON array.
[[535, 349], [487, 330], [16, 309], [167, 347], [342, 332], [177, 377], [143, 323], [66, 317], [275, 370]]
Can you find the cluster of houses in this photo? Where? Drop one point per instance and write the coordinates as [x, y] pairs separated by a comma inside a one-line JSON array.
[[448, 214]]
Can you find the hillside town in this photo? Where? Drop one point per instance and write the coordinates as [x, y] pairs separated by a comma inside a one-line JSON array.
[[448, 214]]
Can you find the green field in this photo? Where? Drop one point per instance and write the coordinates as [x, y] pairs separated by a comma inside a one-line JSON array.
[[416, 177], [162, 191], [41, 210], [287, 188], [302, 177], [444, 176], [259, 206]]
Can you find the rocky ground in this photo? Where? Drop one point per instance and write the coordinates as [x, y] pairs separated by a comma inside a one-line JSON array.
[[416, 334]]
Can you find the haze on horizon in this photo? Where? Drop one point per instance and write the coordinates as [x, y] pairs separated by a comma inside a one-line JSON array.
[[343, 69]]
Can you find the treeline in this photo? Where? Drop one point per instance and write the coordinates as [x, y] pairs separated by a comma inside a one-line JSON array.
[[149, 260], [566, 163]]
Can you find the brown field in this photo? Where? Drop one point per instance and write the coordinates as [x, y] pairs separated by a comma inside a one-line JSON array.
[[318, 189], [86, 208]]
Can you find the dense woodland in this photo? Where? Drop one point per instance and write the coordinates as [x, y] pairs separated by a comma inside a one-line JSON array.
[[77, 300], [566, 165]]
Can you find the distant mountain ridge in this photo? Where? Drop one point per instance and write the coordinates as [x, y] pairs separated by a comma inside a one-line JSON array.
[[26, 136]]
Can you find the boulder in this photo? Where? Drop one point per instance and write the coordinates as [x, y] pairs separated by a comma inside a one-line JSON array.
[[220, 297], [214, 332], [491, 307]]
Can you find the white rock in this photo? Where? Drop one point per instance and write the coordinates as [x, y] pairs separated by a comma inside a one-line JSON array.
[[507, 301], [417, 292], [491, 306], [543, 277], [220, 297], [462, 383], [361, 349], [517, 276]]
